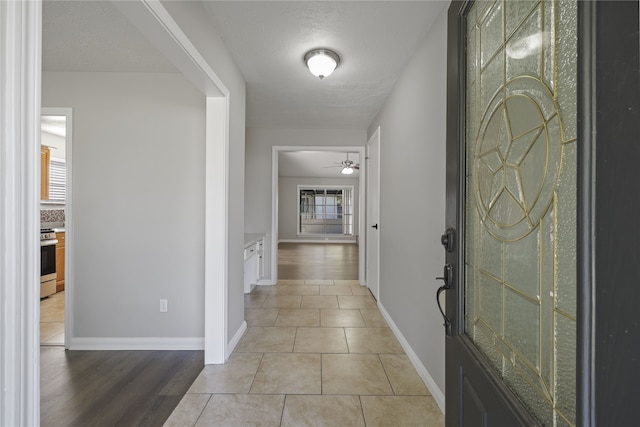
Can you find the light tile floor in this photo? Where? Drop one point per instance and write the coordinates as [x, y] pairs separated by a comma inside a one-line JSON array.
[[52, 320], [316, 353]]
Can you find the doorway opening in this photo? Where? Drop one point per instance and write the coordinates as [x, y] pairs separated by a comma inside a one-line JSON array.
[[327, 174], [56, 225]]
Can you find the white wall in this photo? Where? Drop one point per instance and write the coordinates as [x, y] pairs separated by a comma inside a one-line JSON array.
[[257, 190], [288, 204], [195, 22], [138, 202], [412, 183]]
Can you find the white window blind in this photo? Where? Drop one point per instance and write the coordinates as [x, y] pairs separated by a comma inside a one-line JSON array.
[[57, 180]]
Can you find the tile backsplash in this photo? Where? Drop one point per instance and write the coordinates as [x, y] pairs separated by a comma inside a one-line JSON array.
[[51, 218]]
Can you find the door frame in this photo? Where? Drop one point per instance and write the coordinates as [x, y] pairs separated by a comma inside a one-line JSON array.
[[376, 262], [275, 151], [20, 189], [608, 327], [608, 335]]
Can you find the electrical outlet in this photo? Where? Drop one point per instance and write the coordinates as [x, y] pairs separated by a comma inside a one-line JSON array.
[[164, 305]]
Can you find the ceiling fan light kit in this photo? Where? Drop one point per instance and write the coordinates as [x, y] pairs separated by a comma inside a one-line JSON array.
[[347, 170], [321, 62], [347, 167]]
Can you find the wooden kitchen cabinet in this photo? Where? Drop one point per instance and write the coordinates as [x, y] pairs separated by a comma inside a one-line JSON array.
[[60, 248], [45, 158]]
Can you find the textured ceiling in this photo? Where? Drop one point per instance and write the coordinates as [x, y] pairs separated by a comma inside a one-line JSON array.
[[315, 164], [268, 39], [95, 36]]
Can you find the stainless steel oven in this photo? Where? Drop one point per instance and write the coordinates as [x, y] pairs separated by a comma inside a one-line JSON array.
[[48, 274]]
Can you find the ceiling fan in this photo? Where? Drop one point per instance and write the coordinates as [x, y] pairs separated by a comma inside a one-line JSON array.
[[347, 166]]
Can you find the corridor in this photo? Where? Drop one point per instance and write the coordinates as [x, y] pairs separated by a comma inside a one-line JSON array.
[[316, 353]]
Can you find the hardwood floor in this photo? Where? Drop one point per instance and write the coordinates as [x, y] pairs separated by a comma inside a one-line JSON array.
[[142, 388], [108, 388], [334, 261]]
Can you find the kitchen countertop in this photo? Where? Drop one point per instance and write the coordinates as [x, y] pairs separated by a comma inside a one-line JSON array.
[[57, 226], [251, 238]]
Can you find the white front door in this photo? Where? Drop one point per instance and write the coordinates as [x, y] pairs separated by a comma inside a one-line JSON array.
[[373, 214]]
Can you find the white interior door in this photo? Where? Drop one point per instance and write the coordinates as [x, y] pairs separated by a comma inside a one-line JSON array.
[[373, 214]]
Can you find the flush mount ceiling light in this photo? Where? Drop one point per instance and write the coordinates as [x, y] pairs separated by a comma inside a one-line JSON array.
[[321, 62]]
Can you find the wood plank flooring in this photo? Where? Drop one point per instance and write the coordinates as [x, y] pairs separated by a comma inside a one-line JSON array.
[[142, 388], [334, 261], [108, 388]]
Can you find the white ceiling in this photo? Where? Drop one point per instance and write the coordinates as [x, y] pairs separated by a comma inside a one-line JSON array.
[[314, 164], [95, 36], [268, 40]]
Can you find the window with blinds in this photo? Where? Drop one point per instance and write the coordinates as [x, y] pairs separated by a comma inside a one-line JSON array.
[[325, 211], [57, 180]]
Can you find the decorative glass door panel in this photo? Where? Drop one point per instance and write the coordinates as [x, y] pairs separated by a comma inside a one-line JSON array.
[[520, 270]]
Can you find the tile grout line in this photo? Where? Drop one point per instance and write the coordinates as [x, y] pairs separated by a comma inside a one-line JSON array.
[[364, 321], [321, 379], [284, 403], [344, 331], [362, 410], [387, 375], [202, 411], [295, 337], [275, 322], [255, 374]]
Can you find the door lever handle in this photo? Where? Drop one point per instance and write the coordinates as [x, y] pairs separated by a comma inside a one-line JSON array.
[[447, 279], [375, 226]]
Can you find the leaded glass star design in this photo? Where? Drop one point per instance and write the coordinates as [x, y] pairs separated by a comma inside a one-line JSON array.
[[517, 158]]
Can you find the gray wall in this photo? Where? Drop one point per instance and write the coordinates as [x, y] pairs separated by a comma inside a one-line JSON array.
[[196, 23], [288, 204], [138, 202], [257, 191], [412, 181], [147, 120]]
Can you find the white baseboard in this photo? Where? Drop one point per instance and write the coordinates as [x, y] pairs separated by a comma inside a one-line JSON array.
[[236, 339], [265, 282], [317, 241], [437, 394], [143, 343]]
